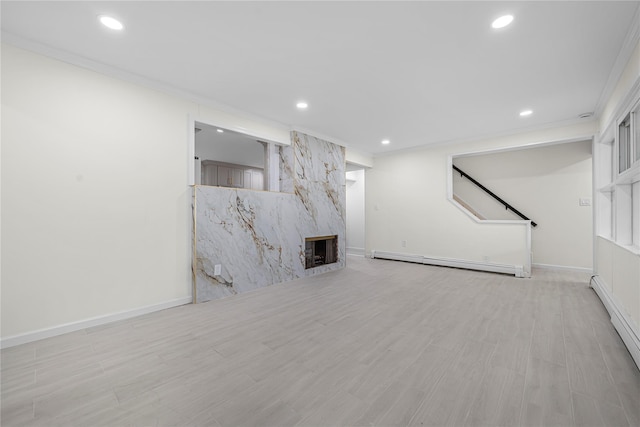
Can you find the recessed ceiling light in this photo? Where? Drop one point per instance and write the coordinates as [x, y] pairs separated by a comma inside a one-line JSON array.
[[110, 22], [302, 105], [386, 142], [502, 22], [219, 130], [526, 113], [586, 115]]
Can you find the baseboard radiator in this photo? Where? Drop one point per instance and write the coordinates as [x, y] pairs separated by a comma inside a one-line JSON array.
[[629, 334], [516, 270]]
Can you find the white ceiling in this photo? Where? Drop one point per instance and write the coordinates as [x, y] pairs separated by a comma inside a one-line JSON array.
[[413, 72]]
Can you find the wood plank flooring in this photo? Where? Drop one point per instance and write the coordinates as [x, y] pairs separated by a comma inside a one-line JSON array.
[[379, 343]]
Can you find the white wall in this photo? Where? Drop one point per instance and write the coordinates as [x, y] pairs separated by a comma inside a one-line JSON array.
[[96, 215], [359, 158], [355, 212], [406, 200], [619, 271], [545, 183]]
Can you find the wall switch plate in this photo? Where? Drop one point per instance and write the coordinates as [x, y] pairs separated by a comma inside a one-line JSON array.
[[585, 202], [217, 269], [404, 243]]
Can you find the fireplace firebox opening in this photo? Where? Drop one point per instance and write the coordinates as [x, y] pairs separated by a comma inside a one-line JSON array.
[[320, 250]]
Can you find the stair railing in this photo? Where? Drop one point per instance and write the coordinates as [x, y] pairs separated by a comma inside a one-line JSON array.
[[492, 194]]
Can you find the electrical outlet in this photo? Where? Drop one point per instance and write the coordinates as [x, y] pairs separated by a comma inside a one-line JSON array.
[[585, 202], [403, 243], [217, 269]]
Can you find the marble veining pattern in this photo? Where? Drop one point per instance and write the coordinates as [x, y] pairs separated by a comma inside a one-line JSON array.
[[286, 169], [257, 237]]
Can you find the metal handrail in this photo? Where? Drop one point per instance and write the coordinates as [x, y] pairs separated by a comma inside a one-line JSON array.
[[492, 194]]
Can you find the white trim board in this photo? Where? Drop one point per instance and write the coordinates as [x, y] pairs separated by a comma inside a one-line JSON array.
[[621, 322], [516, 270], [40, 334]]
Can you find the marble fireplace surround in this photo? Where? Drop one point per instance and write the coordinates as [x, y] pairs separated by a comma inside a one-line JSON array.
[[257, 238]]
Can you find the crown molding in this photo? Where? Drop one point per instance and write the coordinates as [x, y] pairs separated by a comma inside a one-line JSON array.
[[127, 76], [628, 46]]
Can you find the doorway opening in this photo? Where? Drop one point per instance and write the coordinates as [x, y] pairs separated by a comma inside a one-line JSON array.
[[355, 210]]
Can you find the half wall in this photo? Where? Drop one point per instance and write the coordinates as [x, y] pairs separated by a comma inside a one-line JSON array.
[[257, 238]]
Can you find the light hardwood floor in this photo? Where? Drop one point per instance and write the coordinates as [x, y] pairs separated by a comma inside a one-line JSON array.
[[378, 343]]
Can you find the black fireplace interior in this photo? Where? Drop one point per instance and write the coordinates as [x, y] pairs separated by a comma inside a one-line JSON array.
[[320, 251]]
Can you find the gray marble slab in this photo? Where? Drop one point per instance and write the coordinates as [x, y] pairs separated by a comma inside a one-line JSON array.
[[257, 237]]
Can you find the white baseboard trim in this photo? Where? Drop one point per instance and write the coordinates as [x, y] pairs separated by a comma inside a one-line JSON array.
[[562, 267], [516, 270], [88, 323], [355, 251], [620, 321], [396, 256]]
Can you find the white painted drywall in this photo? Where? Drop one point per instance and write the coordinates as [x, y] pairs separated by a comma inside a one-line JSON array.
[[406, 199], [355, 212], [619, 270], [546, 184], [96, 215], [359, 158]]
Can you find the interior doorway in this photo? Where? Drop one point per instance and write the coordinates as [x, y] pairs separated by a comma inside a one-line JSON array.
[[355, 236]]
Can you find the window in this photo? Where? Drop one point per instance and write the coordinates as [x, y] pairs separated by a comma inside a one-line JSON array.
[[617, 179], [624, 144], [636, 134], [628, 147], [635, 214], [618, 195]]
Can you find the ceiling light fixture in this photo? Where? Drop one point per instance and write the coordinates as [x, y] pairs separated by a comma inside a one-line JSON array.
[[110, 22], [526, 113], [502, 22], [302, 105], [385, 142], [219, 130]]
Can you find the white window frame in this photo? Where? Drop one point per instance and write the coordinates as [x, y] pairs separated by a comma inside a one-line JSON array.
[[625, 206]]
